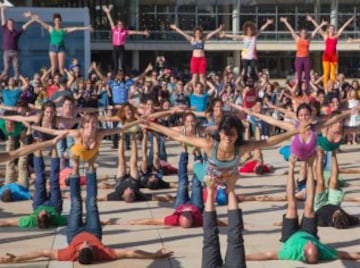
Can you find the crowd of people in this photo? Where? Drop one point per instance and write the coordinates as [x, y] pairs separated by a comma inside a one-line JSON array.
[[223, 120]]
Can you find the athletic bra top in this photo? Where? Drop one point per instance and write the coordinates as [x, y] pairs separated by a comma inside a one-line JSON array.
[[303, 151], [218, 168], [326, 145], [198, 44]]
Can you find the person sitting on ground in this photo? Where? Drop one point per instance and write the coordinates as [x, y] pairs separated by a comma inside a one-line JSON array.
[[84, 239], [235, 253], [301, 242]]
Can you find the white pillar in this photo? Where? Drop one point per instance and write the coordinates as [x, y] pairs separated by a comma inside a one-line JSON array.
[[236, 30], [135, 64], [334, 12]]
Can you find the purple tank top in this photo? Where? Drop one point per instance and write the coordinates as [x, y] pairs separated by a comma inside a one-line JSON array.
[[303, 151]]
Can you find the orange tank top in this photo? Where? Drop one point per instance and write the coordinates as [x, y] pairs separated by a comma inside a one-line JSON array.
[[302, 48]]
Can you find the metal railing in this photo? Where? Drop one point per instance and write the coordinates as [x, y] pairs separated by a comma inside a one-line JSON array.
[[170, 36]]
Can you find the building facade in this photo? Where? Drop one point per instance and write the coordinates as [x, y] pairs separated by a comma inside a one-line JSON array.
[[275, 46]]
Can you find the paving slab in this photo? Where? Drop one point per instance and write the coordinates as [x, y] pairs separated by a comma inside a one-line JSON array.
[[259, 235]]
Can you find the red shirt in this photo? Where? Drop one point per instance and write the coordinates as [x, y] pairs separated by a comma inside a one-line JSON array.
[[100, 252], [51, 90], [250, 98], [173, 219]]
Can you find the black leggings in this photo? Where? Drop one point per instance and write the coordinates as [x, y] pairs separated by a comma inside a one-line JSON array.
[[118, 58], [235, 252]]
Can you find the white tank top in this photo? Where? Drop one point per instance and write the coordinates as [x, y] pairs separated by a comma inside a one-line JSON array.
[[249, 50]]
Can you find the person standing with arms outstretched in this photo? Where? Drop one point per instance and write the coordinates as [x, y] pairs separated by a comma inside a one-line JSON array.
[[198, 60], [249, 53], [302, 59], [329, 58], [10, 43], [57, 41], [119, 35]]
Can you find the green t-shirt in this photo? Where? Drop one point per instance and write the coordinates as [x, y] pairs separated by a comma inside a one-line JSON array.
[[31, 221], [19, 127], [293, 248]]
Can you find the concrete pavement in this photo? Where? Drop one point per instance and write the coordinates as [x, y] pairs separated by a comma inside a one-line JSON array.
[[260, 234]]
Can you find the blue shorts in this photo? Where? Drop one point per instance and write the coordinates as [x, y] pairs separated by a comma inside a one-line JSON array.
[[56, 48]]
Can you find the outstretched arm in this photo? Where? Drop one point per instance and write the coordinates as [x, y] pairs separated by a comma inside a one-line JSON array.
[[29, 22], [318, 28], [286, 112], [336, 118], [107, 12], [45, 253], [290, 28], [145, 33], [346, 24], [42, 23], [268, 119], [105, 132], [28, 149], [8, 223], [253, 145], [140, 254], [148, 221], [240, 37], [266, 24], [262, 256], [316, 25], [215, 32], [197, 142], [2, 12], [344, 255], [179, 31], [73, 29]]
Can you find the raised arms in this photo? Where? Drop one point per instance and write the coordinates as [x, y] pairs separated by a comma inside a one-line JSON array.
[[215, 32], [290, 28], [107, 12], [179, 31]]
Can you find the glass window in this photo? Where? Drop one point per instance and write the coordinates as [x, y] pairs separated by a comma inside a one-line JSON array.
[[305, 8], [268, 9], [208, 23], [186, 22], [186, 5], [166, 6]]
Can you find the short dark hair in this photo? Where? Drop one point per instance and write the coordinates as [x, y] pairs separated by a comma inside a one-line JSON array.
[[7, 196], [340, 219], [57, 16], [43, 222], [85, 256], [259, 170]]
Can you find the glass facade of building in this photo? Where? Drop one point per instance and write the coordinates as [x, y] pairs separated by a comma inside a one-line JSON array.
[[156, 15]]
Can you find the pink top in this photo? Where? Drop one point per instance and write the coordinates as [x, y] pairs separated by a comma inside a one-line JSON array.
[[119, 36], [304, 150]]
